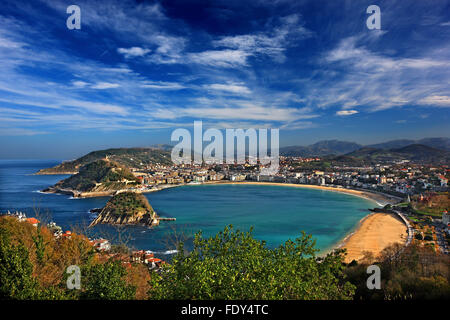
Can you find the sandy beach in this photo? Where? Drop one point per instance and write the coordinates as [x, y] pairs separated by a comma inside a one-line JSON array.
[[375, 232]]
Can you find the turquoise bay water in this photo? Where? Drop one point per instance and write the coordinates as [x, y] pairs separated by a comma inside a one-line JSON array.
[[277, 213]]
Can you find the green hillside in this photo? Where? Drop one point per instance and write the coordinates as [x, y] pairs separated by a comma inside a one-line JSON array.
[[129, 157], [99, 175]]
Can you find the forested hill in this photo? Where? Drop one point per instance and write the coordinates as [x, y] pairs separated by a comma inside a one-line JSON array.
[[98, 176], [129, 157]]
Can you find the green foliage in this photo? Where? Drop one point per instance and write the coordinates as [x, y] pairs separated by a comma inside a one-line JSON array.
[[313, 165], [40, 246], [234, 265], [128, 203], [15, 271], [101, 171], [105, 282]]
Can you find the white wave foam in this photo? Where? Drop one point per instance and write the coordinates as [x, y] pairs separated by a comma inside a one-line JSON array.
[[162, 252], [169, 252]]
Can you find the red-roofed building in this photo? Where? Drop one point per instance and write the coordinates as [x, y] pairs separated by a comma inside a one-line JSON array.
[[147, 257], [67, 234], [443, 181], [154, 263], [33, 221]]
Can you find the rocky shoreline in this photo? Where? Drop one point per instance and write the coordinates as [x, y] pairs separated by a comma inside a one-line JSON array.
[[42, 172], [144, 220], [79, 194]]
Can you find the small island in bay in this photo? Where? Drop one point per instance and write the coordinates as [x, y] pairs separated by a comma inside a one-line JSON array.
[[127, 208], [98, 178]]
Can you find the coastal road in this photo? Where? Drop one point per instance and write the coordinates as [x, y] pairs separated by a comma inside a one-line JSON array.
[[408, 225]]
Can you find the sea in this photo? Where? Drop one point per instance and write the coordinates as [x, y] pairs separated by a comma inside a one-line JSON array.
[[274, 213]]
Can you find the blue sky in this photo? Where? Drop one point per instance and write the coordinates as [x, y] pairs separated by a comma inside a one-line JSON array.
[[138, 69]]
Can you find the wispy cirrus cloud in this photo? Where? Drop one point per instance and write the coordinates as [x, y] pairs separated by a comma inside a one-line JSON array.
[[272, 42], [220, 58], [140, 65], [244, 111], [378, 81], [162, 85], [435, 100], [235, 88], [105, 85]]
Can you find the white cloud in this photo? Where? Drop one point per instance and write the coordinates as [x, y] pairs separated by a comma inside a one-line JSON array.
[[230, 87], [435, 100], [97, 107], [245, 112], [220, 58], [169, 49], [20, 132], [105, 85], [347, 51], [378, 80], [6, 43], [298, 125], [79, 84], [272, 42], [133, 52], [161, 85], [346, 112]]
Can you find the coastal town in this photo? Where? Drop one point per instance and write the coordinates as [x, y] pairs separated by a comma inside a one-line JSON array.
[[397, 179], [416, 193], [406, 189]]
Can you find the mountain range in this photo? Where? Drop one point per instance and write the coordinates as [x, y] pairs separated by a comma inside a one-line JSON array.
[[412, 152], [337, 147]]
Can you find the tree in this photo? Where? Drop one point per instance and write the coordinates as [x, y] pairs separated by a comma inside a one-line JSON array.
[[234, 265], [16, 271], [413, 273], [106, 282], [40, 246]]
